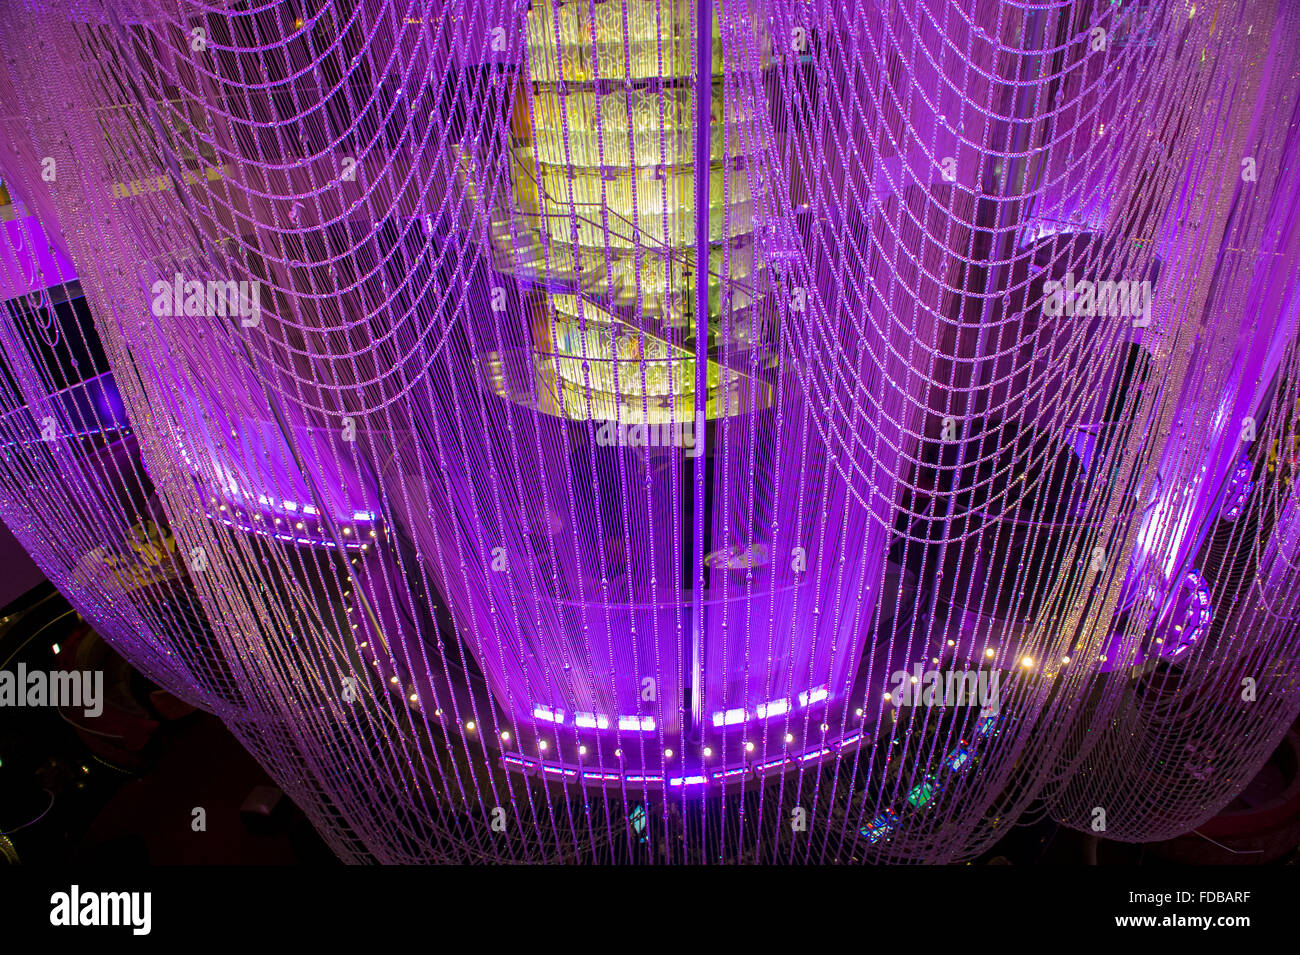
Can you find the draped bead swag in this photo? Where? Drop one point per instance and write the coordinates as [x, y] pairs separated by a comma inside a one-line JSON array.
[[522, 477]]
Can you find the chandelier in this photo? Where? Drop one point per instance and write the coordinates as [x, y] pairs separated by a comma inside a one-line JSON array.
[[663, 431]]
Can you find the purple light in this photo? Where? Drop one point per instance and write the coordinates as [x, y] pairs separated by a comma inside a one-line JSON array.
[[625, 403]]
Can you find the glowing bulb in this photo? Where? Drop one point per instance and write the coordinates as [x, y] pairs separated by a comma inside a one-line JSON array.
[[393, 680], [542, 746], [505, 735], [749, 747], [1027, 662], [582, 751], [1065, 659], [668, 754], [789, 737], [989, 653], [708, 751], [55, 648], [470, 726]]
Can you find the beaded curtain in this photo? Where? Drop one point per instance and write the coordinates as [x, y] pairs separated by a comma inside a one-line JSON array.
[[552, 431]]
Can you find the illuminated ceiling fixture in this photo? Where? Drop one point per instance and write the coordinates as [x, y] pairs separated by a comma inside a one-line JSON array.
[[589, 428]]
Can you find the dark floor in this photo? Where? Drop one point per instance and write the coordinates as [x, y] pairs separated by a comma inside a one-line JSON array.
[[125, 790], [151, 819]]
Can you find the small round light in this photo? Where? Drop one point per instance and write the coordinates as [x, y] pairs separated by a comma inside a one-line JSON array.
[[989, 653], [505, 735], [470, 726], [668, 754], [413, 698], [542, 746], [708, 751], [393, 680], [789, 737], [1027, 662], [749, 747], [582, 750], [1065, 659], [858, 711]]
